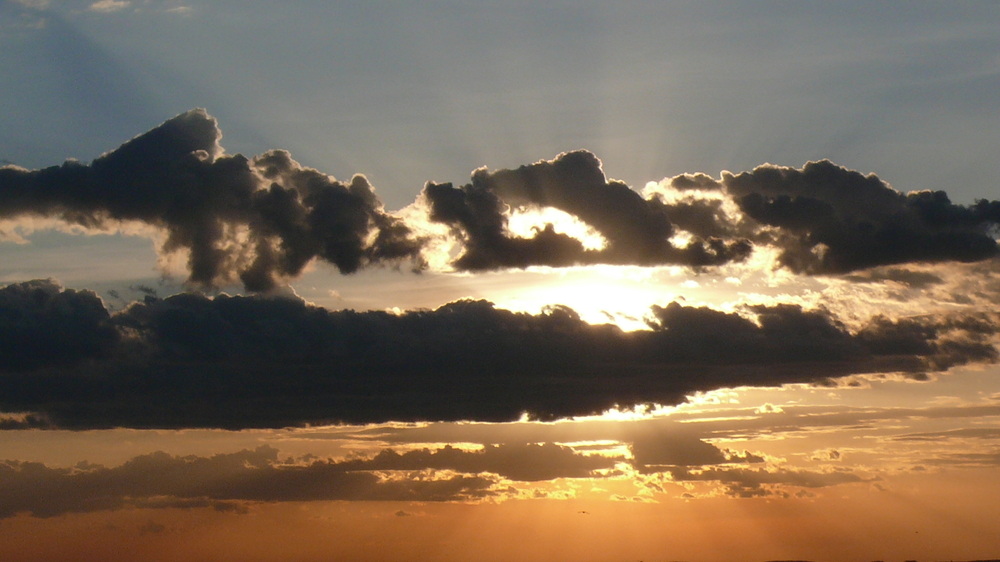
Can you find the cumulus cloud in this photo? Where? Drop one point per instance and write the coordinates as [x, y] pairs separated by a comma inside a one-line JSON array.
[[43, 324], [190, 360], [260, 220], [827, 219]]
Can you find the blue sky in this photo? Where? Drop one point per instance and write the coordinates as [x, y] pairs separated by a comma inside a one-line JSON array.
[[411, 92]]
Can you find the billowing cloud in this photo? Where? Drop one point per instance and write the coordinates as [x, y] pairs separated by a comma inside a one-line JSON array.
[[637, 230], [43, 324], [829, 220], [260, 220], [190, 360]]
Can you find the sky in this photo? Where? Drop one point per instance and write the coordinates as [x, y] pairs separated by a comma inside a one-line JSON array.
[[499, 280]]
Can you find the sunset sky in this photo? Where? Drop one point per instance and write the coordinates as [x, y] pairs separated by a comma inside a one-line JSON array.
[[499, 280]]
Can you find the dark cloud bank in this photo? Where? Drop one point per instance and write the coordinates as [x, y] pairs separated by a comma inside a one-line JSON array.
[[261, 220], [189, 360]]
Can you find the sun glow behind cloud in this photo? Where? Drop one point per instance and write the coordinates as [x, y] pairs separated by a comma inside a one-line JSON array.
[[810, 353]]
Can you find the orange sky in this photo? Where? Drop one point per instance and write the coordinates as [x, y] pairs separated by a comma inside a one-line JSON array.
[[842, 475]]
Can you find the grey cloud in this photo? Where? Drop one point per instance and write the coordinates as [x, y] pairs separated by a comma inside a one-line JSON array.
[[637, 230], [964, 433], [968, 460], [43, 324], [652, 450], [222, 481], [177, 177], [685, 182], [745, 483], [262, 220], [523, 462], [189, 360], [831, 220], [795, 419], [910, 278]]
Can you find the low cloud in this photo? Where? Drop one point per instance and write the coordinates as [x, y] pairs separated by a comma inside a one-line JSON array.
[[193, 361], [223, 482], [761, 482]]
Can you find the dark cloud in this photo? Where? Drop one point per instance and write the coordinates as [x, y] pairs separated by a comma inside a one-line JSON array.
[[914, 279], [656, 450], [190, 360], [760, 482], [261, 220], [637, 230], [830, 220], [221, 481], [523, 462], [43, 324]]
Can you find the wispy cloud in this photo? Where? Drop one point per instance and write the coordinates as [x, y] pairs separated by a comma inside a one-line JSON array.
[[107, 6]]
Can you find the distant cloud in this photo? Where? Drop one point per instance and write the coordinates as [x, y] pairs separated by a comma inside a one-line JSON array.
[[223, 482], [109, 5], [233, 482], [189, 360], [762, 482], [35, 4]]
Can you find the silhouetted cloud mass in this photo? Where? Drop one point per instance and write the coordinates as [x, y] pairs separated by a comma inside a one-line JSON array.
[[261, 220], [190, 360], [829, 220], [43, 324], [637, 230]]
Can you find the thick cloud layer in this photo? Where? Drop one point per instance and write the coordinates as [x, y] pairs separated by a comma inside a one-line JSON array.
[[261, 220], [42, 324], [189, 360]]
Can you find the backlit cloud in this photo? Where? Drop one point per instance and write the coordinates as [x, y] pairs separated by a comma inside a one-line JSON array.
[[189, 360], [262, 220]]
